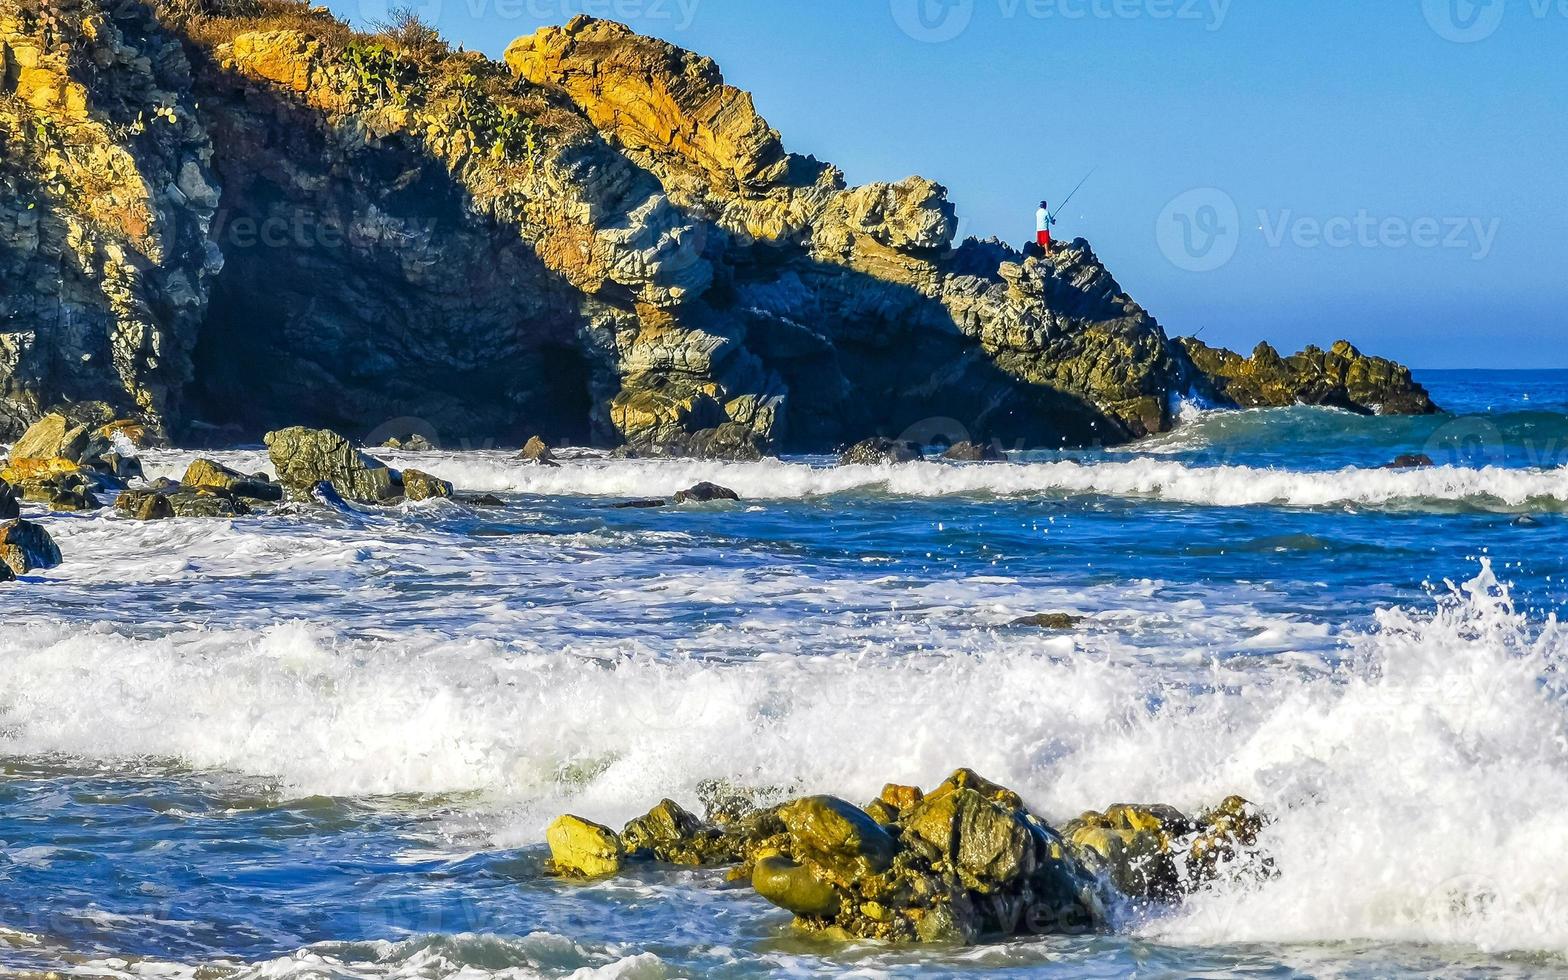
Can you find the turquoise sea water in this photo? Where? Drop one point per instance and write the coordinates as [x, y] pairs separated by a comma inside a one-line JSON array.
[[316, 744]]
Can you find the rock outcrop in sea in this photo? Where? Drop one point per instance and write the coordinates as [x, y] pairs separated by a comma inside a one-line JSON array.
[[242, 214], [966, 862]]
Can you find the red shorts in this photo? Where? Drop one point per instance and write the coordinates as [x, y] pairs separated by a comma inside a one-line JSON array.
[[1045, 240]]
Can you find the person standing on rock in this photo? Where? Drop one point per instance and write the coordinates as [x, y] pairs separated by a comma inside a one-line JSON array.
[[1043, 220]]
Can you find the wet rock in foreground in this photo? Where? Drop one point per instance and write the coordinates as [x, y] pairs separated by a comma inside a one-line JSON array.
[[966, 863], [25, 546]]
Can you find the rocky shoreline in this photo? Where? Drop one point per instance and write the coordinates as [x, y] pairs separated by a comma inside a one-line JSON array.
[[219, 218], [964, 863]]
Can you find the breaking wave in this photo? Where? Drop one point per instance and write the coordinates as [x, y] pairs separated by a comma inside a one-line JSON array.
[[1417, 783]]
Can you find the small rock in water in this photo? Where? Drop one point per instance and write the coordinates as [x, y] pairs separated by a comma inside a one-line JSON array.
[[648, 504], [972, 452], [1526, 520], [1411, 461], [25, 546], [415, 443], [419, 485], [485, 500], [704, 493], [880, 452], [538, 451], [1048, 621], [207, 473], [144, 505], [583, 849]]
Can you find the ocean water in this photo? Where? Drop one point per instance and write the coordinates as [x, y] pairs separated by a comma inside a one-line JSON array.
[[322, 744]]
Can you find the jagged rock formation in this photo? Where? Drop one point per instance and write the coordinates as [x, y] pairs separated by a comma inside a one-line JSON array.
[[1341, 377], [967, 862], [250, 216], [106, 202]]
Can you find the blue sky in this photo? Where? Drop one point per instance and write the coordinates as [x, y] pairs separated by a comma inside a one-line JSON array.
[[1394, 172]]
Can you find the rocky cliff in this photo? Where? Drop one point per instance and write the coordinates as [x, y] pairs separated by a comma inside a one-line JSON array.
[[241, 213]]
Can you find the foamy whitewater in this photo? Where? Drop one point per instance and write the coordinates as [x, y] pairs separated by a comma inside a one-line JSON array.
[[316, 744]]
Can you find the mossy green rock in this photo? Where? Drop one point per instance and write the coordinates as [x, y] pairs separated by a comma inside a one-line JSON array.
[[986, 843], [838, 836], [305, 457], [207, 473], [581, 848], [419, 485], [792, 886]]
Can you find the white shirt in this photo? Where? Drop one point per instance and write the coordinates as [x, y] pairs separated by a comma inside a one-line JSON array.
[[1042, 220]]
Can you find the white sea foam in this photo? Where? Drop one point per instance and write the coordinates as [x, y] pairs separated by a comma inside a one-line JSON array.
[[1146, 478], [464, 957], [1418, 788]]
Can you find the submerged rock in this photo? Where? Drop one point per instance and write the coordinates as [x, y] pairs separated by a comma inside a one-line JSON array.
[[165, 502], [1048, 621], [305, 457], [25, 546], [880, 452], [144, 505], [1411, 461], [704, 493], [971, 452], [650, 503]]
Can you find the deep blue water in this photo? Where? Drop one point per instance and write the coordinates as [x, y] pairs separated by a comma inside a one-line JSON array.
[[315, 744]]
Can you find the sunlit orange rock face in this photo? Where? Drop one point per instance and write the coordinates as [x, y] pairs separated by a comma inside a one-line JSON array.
[[235, 224]]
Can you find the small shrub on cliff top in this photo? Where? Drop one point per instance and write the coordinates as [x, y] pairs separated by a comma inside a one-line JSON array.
[[406, 31], [212, 22]]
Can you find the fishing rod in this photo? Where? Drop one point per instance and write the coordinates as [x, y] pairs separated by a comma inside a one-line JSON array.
[[1063, 205]]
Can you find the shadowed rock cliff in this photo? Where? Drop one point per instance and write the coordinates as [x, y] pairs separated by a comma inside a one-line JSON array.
[[248, 215]]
